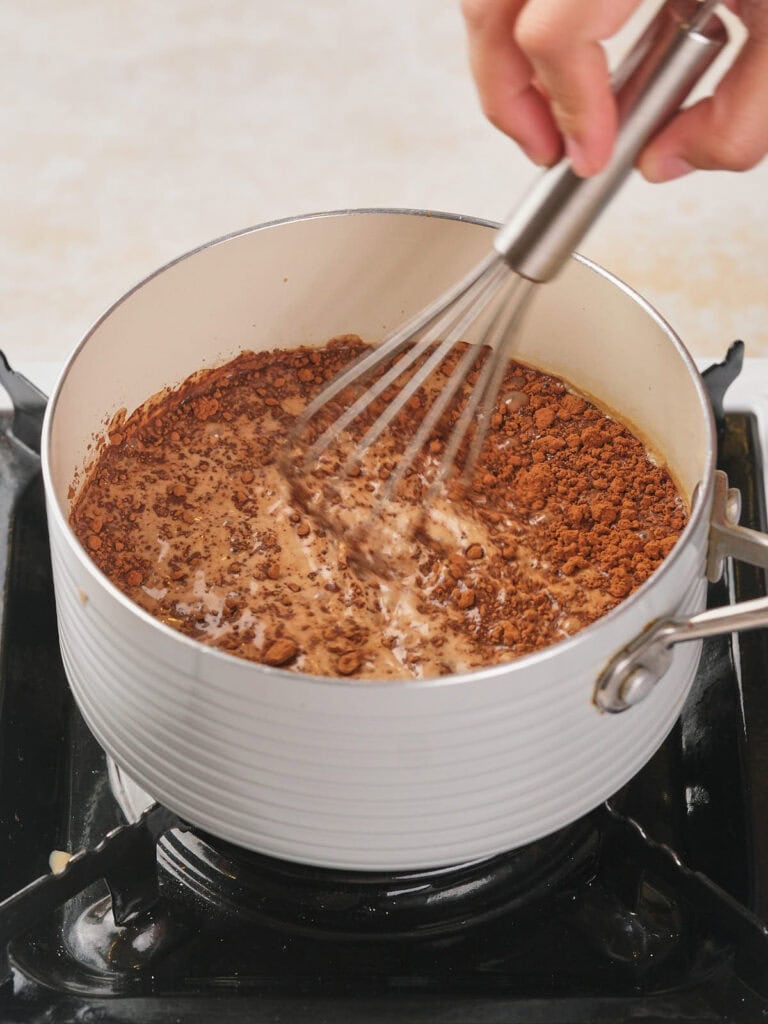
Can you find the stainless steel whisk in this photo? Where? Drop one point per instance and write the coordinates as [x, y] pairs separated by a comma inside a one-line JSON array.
[[650, 84]]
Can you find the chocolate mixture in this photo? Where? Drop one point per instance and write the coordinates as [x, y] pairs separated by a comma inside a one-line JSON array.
[[186, 511]]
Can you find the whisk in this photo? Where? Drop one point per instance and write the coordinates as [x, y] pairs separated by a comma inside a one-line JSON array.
[[530, 248]]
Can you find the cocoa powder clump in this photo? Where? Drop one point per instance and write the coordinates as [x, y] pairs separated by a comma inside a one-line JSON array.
[[347, 664], [280, 651]]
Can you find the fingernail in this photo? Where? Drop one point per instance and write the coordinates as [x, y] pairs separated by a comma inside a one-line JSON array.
[[667, 168], [541, 157], [577, 157]]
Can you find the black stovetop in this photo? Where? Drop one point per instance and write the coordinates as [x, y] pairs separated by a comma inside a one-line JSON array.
[[648, 909]]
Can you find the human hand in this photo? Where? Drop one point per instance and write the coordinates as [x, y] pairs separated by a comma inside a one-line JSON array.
[[543, 79]]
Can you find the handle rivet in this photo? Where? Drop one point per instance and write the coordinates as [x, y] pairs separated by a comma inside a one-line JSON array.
[[637, 685]]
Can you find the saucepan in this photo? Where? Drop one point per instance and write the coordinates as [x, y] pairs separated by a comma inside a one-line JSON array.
[[385, 775]]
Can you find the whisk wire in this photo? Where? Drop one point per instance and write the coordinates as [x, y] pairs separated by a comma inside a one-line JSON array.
[[455, 323], [429, 422], [403, 336], [472, 289], [503, 328], [456, 381], [477, 303], [487, 384]]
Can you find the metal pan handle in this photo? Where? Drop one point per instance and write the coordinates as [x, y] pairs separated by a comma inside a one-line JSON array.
[[632, 673]]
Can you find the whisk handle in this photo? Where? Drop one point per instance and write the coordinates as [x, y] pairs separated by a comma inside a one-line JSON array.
[[650, 85]]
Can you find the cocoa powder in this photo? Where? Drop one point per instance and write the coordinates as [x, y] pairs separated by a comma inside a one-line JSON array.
[[186, 512]]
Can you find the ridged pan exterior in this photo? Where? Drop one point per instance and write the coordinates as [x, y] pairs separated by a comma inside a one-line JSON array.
[[365, 775]]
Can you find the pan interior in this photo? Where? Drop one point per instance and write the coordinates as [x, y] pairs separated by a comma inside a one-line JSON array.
[[306, 280]]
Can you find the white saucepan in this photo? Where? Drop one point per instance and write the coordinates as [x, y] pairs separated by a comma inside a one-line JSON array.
[[383, 775]]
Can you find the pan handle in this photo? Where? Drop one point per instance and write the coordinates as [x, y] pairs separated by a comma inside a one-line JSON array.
[[631, 674], [28, 405]]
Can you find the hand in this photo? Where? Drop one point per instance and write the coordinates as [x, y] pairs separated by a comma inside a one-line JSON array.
[[543, 80]]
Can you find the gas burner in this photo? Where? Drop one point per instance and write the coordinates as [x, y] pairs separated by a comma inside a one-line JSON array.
[[357, 906]]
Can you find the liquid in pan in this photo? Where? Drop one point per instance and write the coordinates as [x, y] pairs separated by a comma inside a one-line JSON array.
[[186, 511]]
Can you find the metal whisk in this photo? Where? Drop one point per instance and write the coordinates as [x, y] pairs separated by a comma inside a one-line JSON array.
[[650, 84], [491, 292]]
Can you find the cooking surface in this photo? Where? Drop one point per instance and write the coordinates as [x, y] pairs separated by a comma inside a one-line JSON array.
[[595, 921]]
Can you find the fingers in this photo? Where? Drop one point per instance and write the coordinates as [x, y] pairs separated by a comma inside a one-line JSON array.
[[561, 38], [542, 75], [504, 79], [728, 131], [543, 79]]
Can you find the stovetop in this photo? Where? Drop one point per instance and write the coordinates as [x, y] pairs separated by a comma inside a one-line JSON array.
[[650, 908]]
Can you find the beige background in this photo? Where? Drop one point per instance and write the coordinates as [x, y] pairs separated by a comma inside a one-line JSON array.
[[132, 132]]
